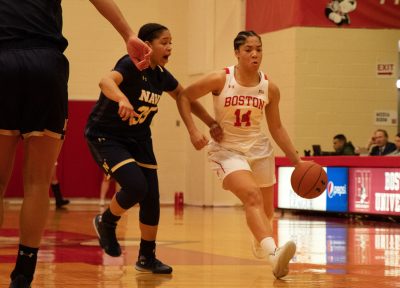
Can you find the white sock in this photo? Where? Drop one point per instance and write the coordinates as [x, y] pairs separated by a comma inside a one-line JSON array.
[[268, 244]]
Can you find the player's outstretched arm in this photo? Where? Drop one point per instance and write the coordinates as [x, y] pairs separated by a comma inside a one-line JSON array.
[[195, 107], [199, 110], [209, 83], [277, 130], [184, 102], [137, 49]]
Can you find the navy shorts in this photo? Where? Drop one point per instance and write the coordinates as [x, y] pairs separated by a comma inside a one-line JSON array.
[[34, 93], [112, 153]]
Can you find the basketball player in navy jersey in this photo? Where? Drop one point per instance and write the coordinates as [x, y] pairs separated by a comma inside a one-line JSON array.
[[33, 106], [244, 158], [119, 137]]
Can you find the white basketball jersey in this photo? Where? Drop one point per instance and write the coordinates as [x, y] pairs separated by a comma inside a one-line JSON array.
[[239, 110]]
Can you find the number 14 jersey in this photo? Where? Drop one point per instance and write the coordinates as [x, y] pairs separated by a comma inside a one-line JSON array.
[[240, 111]]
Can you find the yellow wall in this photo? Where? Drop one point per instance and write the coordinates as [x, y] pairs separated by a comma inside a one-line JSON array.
[[328, 81], [327, 78]]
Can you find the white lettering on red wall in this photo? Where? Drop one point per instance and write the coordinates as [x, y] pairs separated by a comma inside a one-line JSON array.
[[392, 181], [387, 202]]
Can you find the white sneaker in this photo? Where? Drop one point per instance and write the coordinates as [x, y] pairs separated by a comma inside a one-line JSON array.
[[281, 258], [258, 251]]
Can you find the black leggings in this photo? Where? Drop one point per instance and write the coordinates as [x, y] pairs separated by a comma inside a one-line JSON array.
[[139, 185], [133, 165]]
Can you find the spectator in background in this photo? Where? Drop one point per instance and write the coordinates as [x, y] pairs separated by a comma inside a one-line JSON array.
[[341, 146], [397, 143], [55, 188], [382, 145]]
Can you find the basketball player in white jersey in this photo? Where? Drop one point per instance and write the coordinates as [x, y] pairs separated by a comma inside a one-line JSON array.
[[240, 153]]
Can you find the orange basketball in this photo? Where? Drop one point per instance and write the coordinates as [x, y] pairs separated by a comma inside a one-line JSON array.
[[309, 180]]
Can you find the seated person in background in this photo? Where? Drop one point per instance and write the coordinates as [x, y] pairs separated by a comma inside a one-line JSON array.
[[365, 150], [341, 146], [382, 144], [397, 143]]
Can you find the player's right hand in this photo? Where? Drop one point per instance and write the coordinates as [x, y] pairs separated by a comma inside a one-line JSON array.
[[125, 110], [139, 52], [198, 140]]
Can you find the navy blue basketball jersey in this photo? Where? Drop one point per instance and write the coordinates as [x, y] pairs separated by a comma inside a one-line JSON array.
[[143, 89], [30, 21]]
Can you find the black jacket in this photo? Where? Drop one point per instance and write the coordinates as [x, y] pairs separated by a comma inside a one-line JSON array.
[[348, 149], [389, 147]]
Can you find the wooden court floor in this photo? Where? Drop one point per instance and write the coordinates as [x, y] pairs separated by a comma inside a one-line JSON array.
[[209, 247]]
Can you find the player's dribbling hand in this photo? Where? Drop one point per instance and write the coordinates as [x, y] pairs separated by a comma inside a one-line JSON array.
[[198, 140], [139, 52], [301, 162], [125, 110], [216, 132]]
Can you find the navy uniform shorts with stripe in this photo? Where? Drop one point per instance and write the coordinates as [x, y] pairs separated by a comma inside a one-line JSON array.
[[34, 93], [111, 153]]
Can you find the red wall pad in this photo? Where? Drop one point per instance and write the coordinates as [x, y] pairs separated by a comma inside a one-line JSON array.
[[78, 174]]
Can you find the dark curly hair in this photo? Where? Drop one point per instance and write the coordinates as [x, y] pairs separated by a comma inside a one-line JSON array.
[[150, 31]]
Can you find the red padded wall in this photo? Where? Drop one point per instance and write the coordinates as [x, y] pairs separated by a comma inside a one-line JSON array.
[[78, 174]]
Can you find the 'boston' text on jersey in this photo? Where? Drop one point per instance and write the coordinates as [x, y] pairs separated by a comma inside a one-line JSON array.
[[244, 100]]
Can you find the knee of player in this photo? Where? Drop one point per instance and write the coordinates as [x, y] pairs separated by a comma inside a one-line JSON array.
[[270, 214], [139, 188], [252, 197], [129, 195]]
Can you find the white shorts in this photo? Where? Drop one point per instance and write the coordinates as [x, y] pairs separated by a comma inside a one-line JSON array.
[[261, 162]]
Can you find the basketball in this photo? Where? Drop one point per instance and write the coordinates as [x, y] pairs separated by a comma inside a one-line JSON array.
[[309, 180]]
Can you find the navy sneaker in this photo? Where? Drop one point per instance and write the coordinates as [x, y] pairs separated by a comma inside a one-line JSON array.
[[20, 282], [152, 265], [107, 237]]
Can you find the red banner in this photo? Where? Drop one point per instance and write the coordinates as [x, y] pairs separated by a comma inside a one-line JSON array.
[[266, 16], [374, 190]]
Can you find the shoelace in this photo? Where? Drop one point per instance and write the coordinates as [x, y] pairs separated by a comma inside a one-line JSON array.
[[274, 253]]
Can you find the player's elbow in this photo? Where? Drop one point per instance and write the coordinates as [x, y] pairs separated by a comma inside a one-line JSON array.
[[183, 98], [102, 83]]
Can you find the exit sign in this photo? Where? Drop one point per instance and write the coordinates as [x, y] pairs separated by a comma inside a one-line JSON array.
[[385, 69]]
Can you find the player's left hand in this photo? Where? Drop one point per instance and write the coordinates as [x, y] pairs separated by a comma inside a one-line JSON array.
[[139, 52]]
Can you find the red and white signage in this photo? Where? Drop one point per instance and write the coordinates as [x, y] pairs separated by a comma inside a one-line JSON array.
[[272, 15], [374, 190]]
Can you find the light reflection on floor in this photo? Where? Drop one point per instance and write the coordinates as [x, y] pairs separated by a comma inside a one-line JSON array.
[[331, 252], [326, 243]]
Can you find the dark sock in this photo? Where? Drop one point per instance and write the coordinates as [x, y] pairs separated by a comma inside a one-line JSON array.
[[147, 248], [55, 186], [108, 217], [26, 262], [56, 192]]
